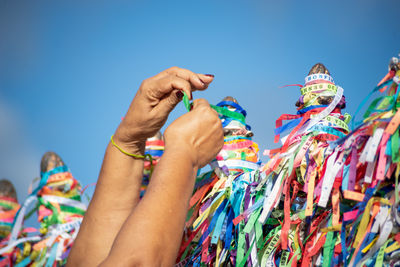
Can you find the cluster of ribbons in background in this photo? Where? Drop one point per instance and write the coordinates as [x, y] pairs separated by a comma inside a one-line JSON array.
[[60, 210], [155, 148], [219, 193], [57, 202], [327, 197]]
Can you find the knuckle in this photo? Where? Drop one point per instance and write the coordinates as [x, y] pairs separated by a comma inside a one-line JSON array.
[[204, 111], [215, 118], [203, 101], [201, 105], [192, 75], [173, 69], [146, 83], [185, 85]]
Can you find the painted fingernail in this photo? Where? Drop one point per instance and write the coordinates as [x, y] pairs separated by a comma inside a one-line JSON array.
[[179, 95], [201, 81], [209, 75]]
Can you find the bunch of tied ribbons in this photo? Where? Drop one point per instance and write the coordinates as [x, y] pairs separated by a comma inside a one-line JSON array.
[[366, 170], [210, 235], [300, 180], [154, 147], [57, 200], [264, 215]]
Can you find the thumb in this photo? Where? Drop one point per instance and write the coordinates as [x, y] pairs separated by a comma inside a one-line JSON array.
[[201, 102]]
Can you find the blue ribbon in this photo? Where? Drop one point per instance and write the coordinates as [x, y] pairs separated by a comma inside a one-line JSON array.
[[233, 104], [287, 126], [304, 110], [154, 153], [353, 122]]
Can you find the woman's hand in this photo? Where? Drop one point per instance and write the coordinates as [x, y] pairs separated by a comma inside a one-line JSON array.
[[155, 99], [198, 133]]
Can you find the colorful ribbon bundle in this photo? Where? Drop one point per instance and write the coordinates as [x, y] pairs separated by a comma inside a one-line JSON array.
[[60, 212], [294, 179], [8, 207], [301, 173], [324, 199], [258, 220], [211, 234], [154, 147], [368, 233]]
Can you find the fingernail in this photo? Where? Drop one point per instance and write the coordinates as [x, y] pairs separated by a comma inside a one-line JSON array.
[[201, 81], [179, 95], [209, 75]]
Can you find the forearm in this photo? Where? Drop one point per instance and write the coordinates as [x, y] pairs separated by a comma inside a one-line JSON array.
[[166, 199], [117, 193], [152, 233]]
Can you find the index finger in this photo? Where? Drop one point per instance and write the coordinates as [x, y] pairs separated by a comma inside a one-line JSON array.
[[198, 81]]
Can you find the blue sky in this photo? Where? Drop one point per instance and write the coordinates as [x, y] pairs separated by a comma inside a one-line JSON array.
[[69, 69]]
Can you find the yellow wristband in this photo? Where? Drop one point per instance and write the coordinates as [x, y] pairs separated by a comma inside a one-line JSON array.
[[145, 157]]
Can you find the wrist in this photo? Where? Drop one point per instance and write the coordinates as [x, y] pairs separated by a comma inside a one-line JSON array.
[[183, 151], [183, 160], [128, 145]]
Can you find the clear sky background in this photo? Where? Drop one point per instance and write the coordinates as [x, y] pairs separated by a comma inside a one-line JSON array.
[[69, 69]]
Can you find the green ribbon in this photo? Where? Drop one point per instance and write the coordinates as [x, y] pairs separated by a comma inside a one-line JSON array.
[[231, 114], [329, 247], [186, 102], [284, 258], [381, 254], [270, 248], [72, 210], [318, 87], [373, 106], [395, 146], [244, 260], [8, 206], [53, 219], [221, 110], [297, 252], [241, 244], [354, 123]]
